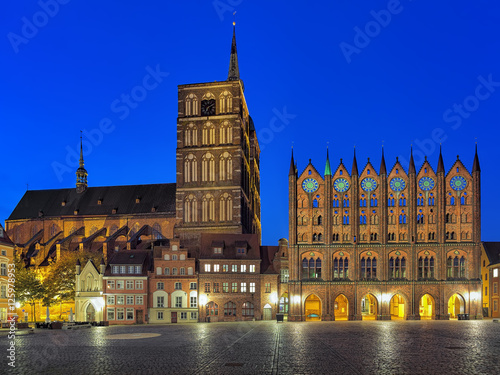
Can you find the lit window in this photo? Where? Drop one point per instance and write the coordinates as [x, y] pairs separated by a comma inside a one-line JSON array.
[[234, 287], [234, 268], [243, 288], [120, 300], [495, 272], [243, 268], [119, 284], [225, 268], [207, 267], [268, 287], [111, 314], [130, 284], [111, 284], [225, 287], [252, 268], [216, 268], [252, 287], [120, 315]]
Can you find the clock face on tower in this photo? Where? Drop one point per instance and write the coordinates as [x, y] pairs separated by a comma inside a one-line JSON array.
[[208, 107], [310, 185]]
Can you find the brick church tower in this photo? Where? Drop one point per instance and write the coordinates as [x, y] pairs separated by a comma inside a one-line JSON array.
[[218, 178]]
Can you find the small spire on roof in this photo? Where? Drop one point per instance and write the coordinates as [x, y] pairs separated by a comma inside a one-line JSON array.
[[383, 169], [411, 168], [328, 171], [440, 167], [475, 164], [354, 164]]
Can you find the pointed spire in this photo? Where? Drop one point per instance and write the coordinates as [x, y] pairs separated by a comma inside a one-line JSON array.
[[81, 173], [292, 166], [411, 168], [354, 165], [440, 161], [475, 165], [383, 169], [234, 71], [328, 170]]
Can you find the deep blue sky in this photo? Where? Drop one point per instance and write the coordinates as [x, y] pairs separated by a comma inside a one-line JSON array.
[[397, 87]]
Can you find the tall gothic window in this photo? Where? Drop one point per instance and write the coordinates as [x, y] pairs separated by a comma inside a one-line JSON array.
[[368, 268], [190, 209], [226, 207], [311, 268], [191, 135], [208, 208], [226, 133], [426, 267], [208, 167], [226, 102], [208, 134], [397, 268], [455, 267], [225, 167], [341, 268], [191, 103], [190, 168]]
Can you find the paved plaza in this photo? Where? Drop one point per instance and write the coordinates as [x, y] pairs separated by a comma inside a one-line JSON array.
[[364, 347]]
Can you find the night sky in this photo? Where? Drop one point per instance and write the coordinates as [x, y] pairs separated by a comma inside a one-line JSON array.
[[343, 73]]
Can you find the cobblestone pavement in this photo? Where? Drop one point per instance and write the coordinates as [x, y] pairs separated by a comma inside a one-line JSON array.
[[369, 347]]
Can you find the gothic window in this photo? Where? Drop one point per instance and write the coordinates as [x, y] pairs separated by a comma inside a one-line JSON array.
[[190, 209], [346, 219], [452, 201], [391, 236], [402, 201], [335, 203], [226, 207], [226, 133], [362, 218], [452, 235], [402, 219], [447, 218], [397, 268], [157, 231], [191, 104], [320, 237], [374, 202], [247, 309], [225, 102], [373, 236], [226, 167], [208, 167], [463, 199], [190, 168], [212, 309], [341, 268], [335, 237], [455, 267], [362, 202], [368, 268], [431, 200], [315, 203], [311, 269], [208, 208], [191, 135], [230, 309], [426, 268], [208, 134], [420, 219], [320, 220], [346, 201], [315, 237]]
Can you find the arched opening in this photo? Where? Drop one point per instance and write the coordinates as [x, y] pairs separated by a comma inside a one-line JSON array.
[[283, 305], [312, 308], [456, 305], [90, 313], [426, 307], [397, 307], [341, 307], [369, 307]]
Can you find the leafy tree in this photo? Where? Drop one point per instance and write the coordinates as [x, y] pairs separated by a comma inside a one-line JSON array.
[[28, 287]]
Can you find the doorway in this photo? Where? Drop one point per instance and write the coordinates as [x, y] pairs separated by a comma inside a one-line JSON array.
[[312, 308], [397, 307], [173, 317], [341, 307], [369, 307], [90, 313], [426, 307]]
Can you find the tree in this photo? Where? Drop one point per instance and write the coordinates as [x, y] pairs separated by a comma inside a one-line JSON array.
[[28, 286]]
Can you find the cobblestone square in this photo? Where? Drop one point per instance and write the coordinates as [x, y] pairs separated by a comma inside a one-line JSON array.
[[342, 347]]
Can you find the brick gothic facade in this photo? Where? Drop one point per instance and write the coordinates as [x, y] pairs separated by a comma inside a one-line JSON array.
[[384, 245]]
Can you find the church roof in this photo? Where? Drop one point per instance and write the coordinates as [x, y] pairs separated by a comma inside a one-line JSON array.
[[49, 203], [4, 239], [492, 250]]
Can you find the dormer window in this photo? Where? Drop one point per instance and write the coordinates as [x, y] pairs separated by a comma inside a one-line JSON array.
[[115, 269], [99, 202], [137, 200], [63, 203], [114, 210], [217, 250], [241, 250], [75, 212]]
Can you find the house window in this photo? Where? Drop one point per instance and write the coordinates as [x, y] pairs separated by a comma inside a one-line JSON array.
[[207, 267], [192, 286], [225, 287], [243, 268], [167, 271], [119, 284], [130, 314], [111, 284], [234, 268], [139, 284], [138, 270], [3, 269], [243, 288], [123, 269], [216, 287], [234, 287], [495, 288], [216, 268], [160, 301], [115, 269], [130, 300], [495, 305], [111, 300], [160, 286], [495, 272], [111, 314], [194, 315], [3, 293], [178, 285], [207, 287], [247, 309], [4, 253], [252, 287], [139, 300], [241, 250], [174, 271], [230, 309], [174, 257], [217, 250], [184, 315], [159, 315], [120, 300], [252, 267], [178, 302], [130, 269], [193, 302], [225, 268], [268, 287], [130, 284], [284, 275], [120, 314]]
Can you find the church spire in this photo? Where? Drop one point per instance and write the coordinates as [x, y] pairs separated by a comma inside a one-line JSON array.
[[292, 166], [328, 170], [354, 165], [81, 173], [411, 168], [383, 169], [440, 162], [475, 165], [234, 71]]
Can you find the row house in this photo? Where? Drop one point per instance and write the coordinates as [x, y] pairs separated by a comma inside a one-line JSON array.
[[6, 258]]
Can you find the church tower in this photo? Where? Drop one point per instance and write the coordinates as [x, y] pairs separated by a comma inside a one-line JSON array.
[[218, 172], [81, 173]]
